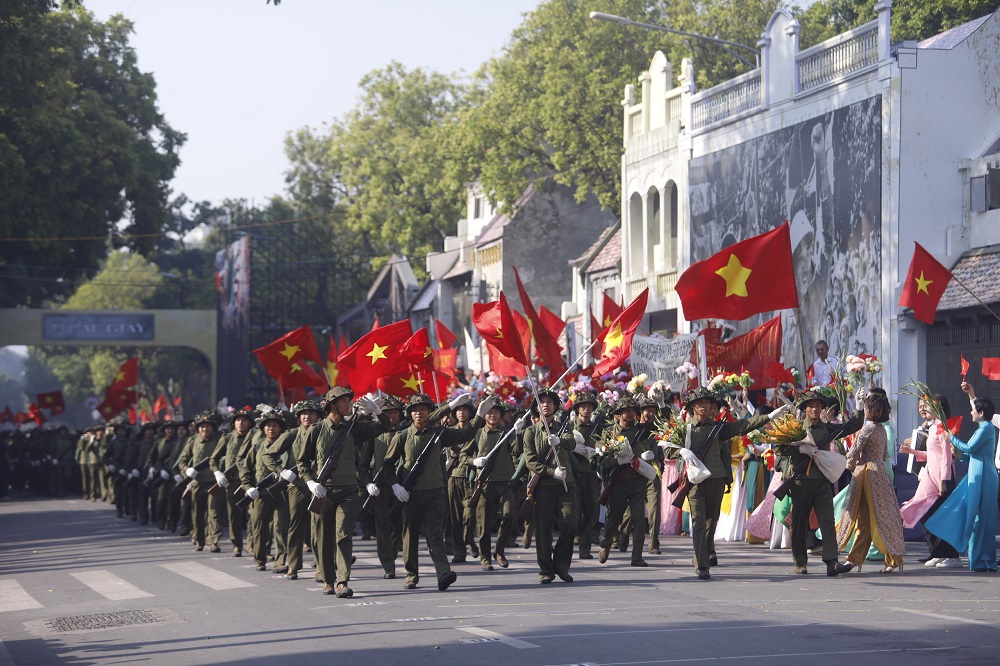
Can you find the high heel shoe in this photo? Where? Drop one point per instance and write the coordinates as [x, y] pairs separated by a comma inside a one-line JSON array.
[[887, 570]]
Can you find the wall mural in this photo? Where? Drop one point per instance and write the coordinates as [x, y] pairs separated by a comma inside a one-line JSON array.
[[824, 176]]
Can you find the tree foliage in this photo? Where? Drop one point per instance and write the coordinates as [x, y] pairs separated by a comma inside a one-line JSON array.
[[911, 19], [85, 155]]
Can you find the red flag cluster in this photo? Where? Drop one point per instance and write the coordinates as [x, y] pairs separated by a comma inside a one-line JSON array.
[[123, 391]]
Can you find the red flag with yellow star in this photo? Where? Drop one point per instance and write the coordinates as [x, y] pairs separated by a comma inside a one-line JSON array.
[[293, 347], [418, 352], [546, 346], [924, 286], [753, 276], [611, 310], [401, 385], [498, 326], [53, 401], [127, 375], [376, 354], [300, 373], [616, 340], [446, 339], [335, 375]]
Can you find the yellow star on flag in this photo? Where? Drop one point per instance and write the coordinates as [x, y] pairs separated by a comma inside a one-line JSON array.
[[289, 351], [332, 372], [120, 376], [377, 352], [411, 383], [614, 339], [922, 283], [428, 352], [294, 367], [499, 332], [607, 321], [735, 275]]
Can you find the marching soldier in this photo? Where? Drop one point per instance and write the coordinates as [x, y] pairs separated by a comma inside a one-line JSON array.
[[812, 491], [629, 472], [588, 482], [547, 456], [264, 508], [649, 409], [141, 451], [335, 435], [388, 529], [233, 447], [425, 501], [279, 458], [204, 507], [497, 494], [159, 479], [459, 516], [180, 506]]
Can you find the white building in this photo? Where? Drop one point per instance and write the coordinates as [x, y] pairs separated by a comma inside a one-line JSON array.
[[864, 147]]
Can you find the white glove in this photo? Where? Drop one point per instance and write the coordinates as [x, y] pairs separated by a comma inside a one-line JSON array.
[[553, 440], [121, 472], [55, 462], [400, 492], [221, 479], [112, 469], [369, 405], [780, 411], [809, 449], [579, 438], [288, 475], [373, 490], [135, 473], [647, 456], [486, 405], [559, 474], [253, 493], [522, 423], [584, 451], [458, 401], [479, 462], [177, 477], [316, 489], [164, 474], [626, 454], [132, 474], [150, 473], [859, 399], [191, 472], [646, 470]]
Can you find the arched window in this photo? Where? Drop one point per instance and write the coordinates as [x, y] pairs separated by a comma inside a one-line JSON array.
[[653, 236], [635, 235]]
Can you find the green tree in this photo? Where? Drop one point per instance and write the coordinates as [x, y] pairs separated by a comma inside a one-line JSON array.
[[85, 155], [381, 169], [911, 19]]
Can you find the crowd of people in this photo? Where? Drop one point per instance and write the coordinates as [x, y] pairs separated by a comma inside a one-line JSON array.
[[567, 470]]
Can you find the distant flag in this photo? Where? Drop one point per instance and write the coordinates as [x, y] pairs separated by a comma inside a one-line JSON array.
[[965, 365], [924, 286], [616, 340], [445, 338]]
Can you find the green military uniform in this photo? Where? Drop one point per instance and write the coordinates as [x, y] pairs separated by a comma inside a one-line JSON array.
[[278, 457], [555, 503], [705, 498], [588, 482], [335, 529], [427, 504], [61, 450], [204, 507], [460, 518], [113, 463], [160, 463], [138, 467], [388, 527], [812, 491], [263, 510], [496, 495], [231, 449]]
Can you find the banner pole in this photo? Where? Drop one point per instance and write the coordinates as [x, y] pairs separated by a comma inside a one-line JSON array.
[[802, 344], [973, 294]]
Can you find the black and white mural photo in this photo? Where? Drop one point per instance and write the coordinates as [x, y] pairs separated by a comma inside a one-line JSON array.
[[823, 175]]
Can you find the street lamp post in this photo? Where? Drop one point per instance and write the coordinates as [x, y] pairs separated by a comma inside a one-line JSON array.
[[723, 44]]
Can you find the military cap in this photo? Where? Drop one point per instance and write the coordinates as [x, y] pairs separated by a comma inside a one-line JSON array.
[[208, 416], [152, 425], [810, 396], [644, 402], [277, 415], [585, 398], [625, 402], [392, 402], [418, 399], [337, 392], [244, 412], [699, 393], [548, 393], [307, 405]]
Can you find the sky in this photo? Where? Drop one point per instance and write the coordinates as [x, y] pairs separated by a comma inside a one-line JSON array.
[[237, 75]]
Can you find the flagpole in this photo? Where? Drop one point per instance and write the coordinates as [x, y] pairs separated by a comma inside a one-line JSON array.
[[420, 381], [802, 342], [137, 380], [575, 363], [962, 284]]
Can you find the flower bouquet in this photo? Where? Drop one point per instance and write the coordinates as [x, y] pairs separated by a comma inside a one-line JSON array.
[[637, 383], [784, 431], [609, 444], [855, 367]]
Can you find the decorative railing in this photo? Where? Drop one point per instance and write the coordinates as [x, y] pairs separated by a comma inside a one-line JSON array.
[[726, 100], [838, 57], [665, 283], [635, 287]]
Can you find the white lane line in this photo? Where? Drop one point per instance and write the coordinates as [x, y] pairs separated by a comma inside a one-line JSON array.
[[206, 576], [14, 597], [506, 640], [742, 657], [940, 616], [109, 585]]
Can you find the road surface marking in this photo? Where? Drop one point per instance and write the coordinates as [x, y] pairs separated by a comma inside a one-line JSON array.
[[109, 585], [506, 640], [940, 616], [14, 597], [206, 576]]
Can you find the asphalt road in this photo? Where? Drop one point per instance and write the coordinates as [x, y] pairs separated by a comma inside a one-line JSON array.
[[63, 562]]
